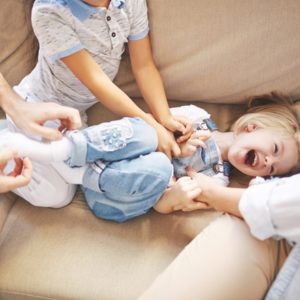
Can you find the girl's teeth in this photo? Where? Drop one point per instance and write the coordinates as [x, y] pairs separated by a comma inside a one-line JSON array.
[[254, 161]]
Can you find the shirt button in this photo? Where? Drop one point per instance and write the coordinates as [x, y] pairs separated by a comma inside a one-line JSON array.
[[108, 18], [113, 34]]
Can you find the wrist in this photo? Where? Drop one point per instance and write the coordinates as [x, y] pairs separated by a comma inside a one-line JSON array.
[[163, 118], [227, 199], [9, 99], [214, 194]]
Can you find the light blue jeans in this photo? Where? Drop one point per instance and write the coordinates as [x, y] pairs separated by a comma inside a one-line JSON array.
[[125, 177]]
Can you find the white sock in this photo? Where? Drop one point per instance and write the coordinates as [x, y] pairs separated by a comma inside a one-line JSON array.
[[39, 151]]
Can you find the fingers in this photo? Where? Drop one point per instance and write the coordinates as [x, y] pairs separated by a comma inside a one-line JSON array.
[[27, 170], [192, 206], [8, 183], [70, 116], [195, 206], [191, 172], [6, 155], [51, 134], [196, 142], [17, 168], [186, 130], [177, 124], [176, 150]]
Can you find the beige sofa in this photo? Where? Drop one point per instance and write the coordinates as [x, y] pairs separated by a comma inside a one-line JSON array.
[[214, 53]]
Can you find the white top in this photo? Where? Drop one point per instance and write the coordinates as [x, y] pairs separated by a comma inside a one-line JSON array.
[[64, 27], [272, 209]]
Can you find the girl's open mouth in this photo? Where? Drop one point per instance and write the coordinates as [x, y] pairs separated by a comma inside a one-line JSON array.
[[251, 158]]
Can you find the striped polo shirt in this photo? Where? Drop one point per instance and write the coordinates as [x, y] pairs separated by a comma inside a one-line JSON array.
[[64, 27]]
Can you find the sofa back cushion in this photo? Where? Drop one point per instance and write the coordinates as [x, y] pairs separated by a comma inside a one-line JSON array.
[[18, 46], [212, 51], [206, 50]]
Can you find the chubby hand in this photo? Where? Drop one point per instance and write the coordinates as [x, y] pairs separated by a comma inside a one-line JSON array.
[[19, 176], [197, 139], [180, 196], [184, 191], [205, 183], [180, 126], [166, 142]]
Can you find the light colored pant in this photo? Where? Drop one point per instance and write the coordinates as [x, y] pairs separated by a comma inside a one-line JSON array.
[[127, 177], [47, 187], [124, 177], [224, 262]]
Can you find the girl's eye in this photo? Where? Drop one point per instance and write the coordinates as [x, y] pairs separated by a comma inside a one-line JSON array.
[[275, 148]]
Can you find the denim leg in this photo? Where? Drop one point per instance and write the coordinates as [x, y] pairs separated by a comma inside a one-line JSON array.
[[128, 188], [112, 141]]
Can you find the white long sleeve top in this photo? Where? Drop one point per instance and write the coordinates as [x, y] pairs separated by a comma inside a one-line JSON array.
[[272, 209]]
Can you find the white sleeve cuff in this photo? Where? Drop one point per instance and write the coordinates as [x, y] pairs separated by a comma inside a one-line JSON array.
[[254, 207]]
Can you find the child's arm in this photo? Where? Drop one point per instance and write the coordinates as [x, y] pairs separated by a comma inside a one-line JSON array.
[[150, 83], [180, 196], [152, 89], [85, 68], [217, 196]]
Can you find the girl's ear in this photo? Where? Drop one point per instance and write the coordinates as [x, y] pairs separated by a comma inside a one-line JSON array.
[[250, 127]]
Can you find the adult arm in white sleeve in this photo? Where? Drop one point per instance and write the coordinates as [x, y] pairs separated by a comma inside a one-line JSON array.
[[272, 209]]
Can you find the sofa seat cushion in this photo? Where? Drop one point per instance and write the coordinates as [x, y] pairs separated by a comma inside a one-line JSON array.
[[51, 253]]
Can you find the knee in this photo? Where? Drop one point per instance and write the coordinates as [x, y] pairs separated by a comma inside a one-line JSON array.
[[157, 165], [65, 197], [145, 135]]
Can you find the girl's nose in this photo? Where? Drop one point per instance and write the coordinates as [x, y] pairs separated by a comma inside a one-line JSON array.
[[268, 161]]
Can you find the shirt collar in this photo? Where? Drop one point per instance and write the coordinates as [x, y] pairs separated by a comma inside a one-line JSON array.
[[82, 10], [118, 3]]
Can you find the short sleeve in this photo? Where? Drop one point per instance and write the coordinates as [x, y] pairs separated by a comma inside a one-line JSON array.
[[54, 31], [139, 26]]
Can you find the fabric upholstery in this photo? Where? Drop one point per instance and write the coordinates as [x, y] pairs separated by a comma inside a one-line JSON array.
[[210, 53]]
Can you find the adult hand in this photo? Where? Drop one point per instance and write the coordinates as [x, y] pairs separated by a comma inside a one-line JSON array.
[[19, 176], [180, 196], [183, 192], [206, 183], [219, 197], [30, 117]]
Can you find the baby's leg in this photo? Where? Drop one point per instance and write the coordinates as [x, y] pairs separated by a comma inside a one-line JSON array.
[[112, 141], [47, 188], [127, 188], [38, 151]]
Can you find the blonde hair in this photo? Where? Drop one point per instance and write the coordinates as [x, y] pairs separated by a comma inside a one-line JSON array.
[[275, 112]]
